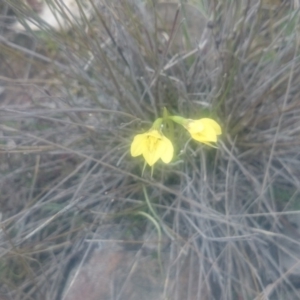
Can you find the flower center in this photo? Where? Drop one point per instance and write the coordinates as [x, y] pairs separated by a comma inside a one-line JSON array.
[[152, 143]]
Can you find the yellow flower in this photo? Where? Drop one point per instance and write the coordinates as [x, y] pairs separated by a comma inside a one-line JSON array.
[[204, 130], [153, 145]]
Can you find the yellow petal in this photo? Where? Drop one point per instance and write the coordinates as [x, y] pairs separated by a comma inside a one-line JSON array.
[[151, 157], [168, 150], [152, 150], [138, 145], [207, 135], [212, 124], [204, 130], [155, 133], [195, 126]]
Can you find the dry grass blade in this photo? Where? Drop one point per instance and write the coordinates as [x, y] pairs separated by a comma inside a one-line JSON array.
[[79, 79]]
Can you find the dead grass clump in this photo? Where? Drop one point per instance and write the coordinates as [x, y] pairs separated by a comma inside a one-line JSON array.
[[94, 84]]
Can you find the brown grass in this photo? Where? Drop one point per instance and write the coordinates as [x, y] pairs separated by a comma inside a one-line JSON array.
[[74, 99]]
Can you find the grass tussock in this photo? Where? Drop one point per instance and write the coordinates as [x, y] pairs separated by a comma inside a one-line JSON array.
[[72, 101]]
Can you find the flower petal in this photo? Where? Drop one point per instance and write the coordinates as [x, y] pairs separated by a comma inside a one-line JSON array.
[[152, 151], [212, 124], [194, 126], [168, 150], [150, 158], [155, 133], [204, 130], [208, 134], [138, 145]]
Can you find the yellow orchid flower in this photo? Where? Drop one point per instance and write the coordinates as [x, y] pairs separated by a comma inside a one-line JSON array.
[[204, 130], [153, 145]]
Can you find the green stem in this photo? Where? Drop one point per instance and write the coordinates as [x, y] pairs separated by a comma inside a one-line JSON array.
[[157, 123], [157, 226], [179, 120]]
